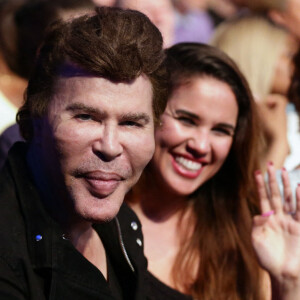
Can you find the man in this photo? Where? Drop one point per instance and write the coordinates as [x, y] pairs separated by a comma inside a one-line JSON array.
[[95, 94]]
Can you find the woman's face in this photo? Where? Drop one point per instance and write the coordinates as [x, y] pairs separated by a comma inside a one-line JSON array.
[[196, 134]]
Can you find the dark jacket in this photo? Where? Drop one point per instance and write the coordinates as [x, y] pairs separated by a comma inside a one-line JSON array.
[[7, 138], [37, 262]]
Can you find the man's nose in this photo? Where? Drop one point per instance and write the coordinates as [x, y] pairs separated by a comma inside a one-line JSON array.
[[108, 145], [200, 143]]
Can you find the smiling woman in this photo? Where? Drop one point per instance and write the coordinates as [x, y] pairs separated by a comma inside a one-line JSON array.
[[196, 135], [193, 200]]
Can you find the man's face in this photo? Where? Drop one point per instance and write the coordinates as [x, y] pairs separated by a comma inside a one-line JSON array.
[[96, 140]]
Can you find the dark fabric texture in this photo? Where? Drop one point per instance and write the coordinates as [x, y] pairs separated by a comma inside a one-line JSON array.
[[157, 290], [37, 262], [8, 137]]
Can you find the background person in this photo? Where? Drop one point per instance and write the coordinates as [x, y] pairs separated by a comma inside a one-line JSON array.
[[160, 12], [294, 89], [264, 52], [283, 12], [193, 22], [11, 85], [294, 92]]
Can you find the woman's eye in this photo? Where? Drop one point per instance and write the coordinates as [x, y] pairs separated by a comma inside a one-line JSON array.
[[223, 131], [186, 120], [84, 117]]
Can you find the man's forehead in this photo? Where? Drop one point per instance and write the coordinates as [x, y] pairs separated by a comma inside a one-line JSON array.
[[91, 91], [87, 81]]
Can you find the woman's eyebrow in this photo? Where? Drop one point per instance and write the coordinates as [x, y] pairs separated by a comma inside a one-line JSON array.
[[194, 116], [227, 125], [185, 112]]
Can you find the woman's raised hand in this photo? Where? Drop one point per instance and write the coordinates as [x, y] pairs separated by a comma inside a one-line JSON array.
[[276, 233]]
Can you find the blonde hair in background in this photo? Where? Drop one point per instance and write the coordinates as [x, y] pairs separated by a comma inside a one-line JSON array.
[[255, 44]]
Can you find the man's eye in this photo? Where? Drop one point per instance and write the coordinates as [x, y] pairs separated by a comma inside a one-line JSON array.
[[84, 117], [131, 124]]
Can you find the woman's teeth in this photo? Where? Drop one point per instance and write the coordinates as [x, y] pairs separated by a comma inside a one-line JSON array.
[[188, 164]]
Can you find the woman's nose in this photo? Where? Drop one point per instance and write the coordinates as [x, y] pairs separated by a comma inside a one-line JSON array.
[[200, 143]]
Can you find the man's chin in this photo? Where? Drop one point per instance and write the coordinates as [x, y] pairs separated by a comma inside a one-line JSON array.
[[103, 217], [102, 220], [103, 210], [96, 207]]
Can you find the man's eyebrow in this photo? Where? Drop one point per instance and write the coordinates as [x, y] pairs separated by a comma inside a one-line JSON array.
[[136, 117], [74, 107]]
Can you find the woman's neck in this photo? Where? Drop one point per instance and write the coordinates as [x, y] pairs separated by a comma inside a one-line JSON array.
[[167, 221], [156, 201]]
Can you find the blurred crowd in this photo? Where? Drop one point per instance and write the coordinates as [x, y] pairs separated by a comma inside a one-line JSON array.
[[260, 35]]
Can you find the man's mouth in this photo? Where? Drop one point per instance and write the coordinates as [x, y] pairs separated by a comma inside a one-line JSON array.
[[186, 167], [102, 184]]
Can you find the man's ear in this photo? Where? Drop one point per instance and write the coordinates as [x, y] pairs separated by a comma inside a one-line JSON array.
[[277, 17]]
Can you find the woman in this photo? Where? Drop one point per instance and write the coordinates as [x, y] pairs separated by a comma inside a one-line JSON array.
[[195, 199]]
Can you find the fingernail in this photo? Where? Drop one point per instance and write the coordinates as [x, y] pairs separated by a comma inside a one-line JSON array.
[[268, 213], [257, 172], [283, 169], [270, 163]]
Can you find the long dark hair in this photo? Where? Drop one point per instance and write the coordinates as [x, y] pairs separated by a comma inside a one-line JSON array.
[[223, 207]]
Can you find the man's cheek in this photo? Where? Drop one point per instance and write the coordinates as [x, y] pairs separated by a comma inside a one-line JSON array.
[[70, 142], [144, 158]]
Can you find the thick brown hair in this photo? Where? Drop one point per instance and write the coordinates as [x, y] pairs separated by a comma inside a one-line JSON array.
[[223, 207], [115, 44]]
